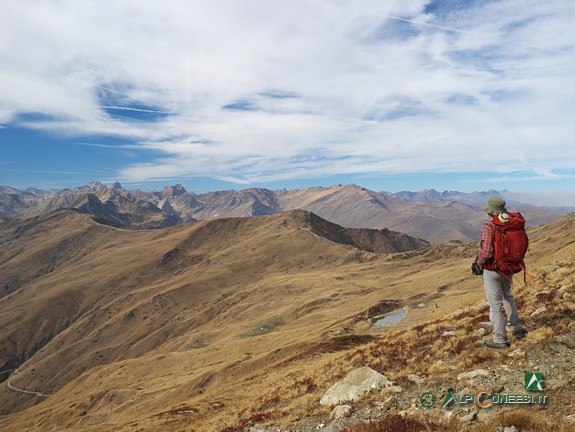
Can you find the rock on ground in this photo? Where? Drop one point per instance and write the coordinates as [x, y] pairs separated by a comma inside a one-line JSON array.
[[341, 411], [473, 374], [356, 383]]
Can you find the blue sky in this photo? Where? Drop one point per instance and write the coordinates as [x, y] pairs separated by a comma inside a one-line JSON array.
[[395, 95]]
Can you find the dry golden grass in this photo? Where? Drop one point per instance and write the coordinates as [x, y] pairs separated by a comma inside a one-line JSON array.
[[424, 351], [396, 422], [524, 421], [199, 363]]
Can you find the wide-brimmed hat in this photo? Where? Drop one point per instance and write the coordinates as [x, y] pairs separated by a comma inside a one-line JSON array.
[[495, 205]]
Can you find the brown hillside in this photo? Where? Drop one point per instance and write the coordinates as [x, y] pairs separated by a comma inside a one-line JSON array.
[[197, 326], [105, 294]]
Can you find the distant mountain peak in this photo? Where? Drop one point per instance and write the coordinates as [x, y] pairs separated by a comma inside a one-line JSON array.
[[175, 190], [96, 186], [8, 189], [117, 185], [36, 191]]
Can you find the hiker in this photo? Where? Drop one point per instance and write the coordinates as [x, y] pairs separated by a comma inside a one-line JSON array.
[[498, 277]]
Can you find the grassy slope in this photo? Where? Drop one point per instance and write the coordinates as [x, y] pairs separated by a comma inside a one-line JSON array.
[[423, 350], [270, 346], [295, 386]]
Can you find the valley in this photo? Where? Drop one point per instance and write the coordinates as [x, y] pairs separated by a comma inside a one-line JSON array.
[[190, 327]]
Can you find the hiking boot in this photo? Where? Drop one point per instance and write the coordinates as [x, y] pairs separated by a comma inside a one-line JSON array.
[[519, 334], [496, 345]]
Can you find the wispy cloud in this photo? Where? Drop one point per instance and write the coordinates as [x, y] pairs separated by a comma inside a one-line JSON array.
[[109, 146], [251, 92], [425, 24], [56, 172], [538, 177], [134, 109]]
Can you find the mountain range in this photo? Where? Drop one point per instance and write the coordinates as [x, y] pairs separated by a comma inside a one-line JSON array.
[[429, 215]]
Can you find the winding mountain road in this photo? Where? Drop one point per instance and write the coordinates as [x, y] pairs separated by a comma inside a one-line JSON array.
[[10, 386]]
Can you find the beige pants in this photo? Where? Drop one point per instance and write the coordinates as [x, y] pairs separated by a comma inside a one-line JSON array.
[[498, 292]]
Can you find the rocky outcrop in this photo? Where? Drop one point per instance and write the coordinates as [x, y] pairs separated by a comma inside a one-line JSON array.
[[355, 384], [370, 240]]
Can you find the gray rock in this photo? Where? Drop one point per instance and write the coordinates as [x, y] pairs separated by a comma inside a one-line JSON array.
[[472, 416], [517, 353], [394, 389], [480, 332], [336, 426], [409, 412], [355, 384], [545, 270], [539, 311], [341, 411], [415, 379], [473, 374], [569, 418], [388, 403], [259, 428], [402, 404], [544, 292], [449, 333], [507, 429], [544, 369]]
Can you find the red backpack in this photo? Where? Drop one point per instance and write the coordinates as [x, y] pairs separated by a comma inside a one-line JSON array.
[[511, 243]]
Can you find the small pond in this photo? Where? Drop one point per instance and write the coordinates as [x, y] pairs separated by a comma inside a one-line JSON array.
[[390, 318]]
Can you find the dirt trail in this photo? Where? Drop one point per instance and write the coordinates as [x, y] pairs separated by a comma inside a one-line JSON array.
[[10, 386]]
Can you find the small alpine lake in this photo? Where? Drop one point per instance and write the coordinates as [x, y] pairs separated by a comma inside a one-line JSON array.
[[389, 318]]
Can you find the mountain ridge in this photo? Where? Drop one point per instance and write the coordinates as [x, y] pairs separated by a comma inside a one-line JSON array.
[[430, 215]]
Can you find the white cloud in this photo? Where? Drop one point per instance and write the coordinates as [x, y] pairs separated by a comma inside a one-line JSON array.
[[312, 88]]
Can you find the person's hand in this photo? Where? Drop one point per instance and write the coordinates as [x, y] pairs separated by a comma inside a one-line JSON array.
[[477, 271]]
